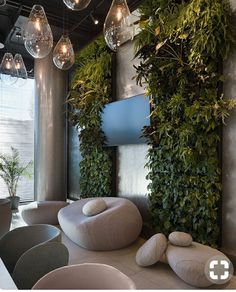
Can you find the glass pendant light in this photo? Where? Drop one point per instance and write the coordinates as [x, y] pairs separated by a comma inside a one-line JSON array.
[[118, 26], [38, 37], [63, 54], [21, 70], [77, 4], [8, 72], [3, 2]]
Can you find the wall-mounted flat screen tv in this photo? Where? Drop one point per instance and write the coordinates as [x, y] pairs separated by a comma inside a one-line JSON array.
[[123, 121]]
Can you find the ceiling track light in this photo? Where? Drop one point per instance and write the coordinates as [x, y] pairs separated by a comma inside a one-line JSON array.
[[95, 20], [18, 35], [74, 27]]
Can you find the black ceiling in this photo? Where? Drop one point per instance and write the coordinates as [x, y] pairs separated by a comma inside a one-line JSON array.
[[79, 23]]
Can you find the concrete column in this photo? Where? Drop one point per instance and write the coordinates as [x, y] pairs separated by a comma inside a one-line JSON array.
[[229, 161], [50, 131]]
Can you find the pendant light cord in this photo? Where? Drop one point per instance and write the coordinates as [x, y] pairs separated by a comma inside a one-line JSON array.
[[66, 22], [63, 21]]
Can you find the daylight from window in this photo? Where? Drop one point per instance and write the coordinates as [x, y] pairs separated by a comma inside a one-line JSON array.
[[17, 130]]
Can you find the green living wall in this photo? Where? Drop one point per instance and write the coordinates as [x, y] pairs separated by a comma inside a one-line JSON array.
[[90, 92], [182, 45]]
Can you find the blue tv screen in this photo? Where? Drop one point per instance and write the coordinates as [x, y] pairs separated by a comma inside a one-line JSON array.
[[123, 121]]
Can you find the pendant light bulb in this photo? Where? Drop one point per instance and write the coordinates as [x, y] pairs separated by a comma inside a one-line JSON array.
[[118, 26], [8, 72], [20, 66], [21, 70], [77, 4], [63, 54], [38, 37]]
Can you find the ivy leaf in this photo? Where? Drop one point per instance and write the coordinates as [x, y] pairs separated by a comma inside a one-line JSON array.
[[157, 31], [159, 45], [182, 78], [183, 36], [91, 86]]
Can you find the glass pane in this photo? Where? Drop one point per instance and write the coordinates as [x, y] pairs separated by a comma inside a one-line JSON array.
[[74, 159], [17, 130]]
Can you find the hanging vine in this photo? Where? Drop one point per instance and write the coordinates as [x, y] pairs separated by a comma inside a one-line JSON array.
[[90, 92], [182, 45]]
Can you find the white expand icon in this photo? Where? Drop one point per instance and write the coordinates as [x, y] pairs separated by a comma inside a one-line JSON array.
[[219, 269], [225, 266]]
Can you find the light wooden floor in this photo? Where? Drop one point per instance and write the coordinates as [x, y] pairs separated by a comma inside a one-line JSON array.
[[159, 276]]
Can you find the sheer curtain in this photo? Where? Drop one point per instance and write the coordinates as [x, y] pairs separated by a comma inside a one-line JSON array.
[[17, 130]]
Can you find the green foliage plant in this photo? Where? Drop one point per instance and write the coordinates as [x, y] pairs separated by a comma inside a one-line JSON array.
[[11, 170], [181, 47], [90, 92]]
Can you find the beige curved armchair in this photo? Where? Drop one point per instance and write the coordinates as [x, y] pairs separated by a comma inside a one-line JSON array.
[[5, 216], [85, 276], [30, 252]]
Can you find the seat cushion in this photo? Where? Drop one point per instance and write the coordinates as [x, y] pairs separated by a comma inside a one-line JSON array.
[[180, 238], [116, 227], [152, 250], [94, 207]]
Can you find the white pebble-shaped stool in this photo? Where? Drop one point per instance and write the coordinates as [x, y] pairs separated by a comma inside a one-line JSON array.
[[152, 250], [85, 276], [44, 212], [189, 262], [116, 227]]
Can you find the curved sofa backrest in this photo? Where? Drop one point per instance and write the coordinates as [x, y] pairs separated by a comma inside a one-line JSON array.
[[16, 242], [85, 276], [37, 262]]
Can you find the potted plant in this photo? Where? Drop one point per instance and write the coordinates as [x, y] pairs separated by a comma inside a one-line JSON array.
[[11, 170]]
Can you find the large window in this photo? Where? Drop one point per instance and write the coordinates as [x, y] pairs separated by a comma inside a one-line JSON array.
[[17, 130]]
